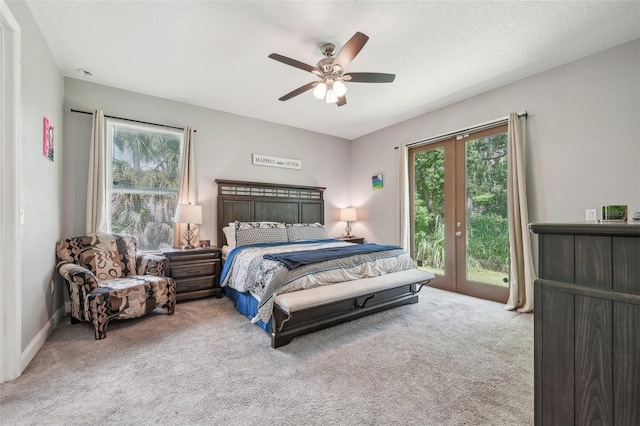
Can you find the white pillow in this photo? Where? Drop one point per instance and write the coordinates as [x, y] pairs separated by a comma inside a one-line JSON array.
[[230, 235]]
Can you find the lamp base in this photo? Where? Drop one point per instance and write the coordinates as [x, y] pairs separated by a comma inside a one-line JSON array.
[[188, 235], [347, 229]]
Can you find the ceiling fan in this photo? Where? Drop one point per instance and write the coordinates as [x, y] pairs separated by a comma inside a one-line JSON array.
[[330, 70]]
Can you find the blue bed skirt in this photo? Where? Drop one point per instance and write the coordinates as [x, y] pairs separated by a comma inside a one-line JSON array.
[[246, 304]]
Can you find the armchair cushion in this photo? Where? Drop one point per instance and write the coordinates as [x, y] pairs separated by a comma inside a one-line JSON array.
[[107, 279], [152, 264]]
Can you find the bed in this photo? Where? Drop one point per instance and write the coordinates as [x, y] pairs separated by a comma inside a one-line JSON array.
[[286, 314]]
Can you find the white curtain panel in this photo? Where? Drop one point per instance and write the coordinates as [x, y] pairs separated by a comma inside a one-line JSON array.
[[404, 239], [97, 205], [187, 189], [522, 273]]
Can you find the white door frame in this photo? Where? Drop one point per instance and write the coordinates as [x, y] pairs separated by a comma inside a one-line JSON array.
[[10, 201]]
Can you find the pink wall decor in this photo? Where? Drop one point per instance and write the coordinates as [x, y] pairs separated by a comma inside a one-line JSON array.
[[47, 139]]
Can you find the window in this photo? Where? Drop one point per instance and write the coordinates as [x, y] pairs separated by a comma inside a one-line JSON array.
[[144, 176]]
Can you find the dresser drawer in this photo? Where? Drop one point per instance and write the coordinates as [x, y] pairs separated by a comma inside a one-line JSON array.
[[193, 269], [193, 284]]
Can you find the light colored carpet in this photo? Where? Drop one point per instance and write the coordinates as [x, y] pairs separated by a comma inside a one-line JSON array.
[[447, 360]]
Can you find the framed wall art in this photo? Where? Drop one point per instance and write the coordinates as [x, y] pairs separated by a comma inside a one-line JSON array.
[[376, 181], [47, 139]]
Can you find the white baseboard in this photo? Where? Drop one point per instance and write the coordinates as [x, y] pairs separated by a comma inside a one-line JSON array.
[[38, 341]]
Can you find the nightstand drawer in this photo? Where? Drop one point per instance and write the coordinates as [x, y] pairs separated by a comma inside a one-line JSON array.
[[192, 269], [192, 284], [196, 272]]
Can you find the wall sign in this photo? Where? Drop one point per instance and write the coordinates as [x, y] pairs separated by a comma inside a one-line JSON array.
[[267, 160]]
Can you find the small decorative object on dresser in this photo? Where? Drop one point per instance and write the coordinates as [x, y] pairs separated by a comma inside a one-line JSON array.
[[613, 213], [352, 239], [196, 272]]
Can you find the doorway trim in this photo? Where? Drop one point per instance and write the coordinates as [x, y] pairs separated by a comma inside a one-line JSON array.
[[10, 201]]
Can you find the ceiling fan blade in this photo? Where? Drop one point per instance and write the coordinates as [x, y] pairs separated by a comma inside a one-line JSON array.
[[292, 62], [350, 50], [342, 100], [299, 91], [370, 77]]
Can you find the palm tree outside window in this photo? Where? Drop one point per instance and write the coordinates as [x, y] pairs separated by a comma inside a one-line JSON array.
[[144, 179]]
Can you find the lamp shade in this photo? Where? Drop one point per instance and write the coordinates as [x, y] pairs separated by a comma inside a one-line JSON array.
[[188, 213], [348, 214], [320, 90], [331, 97], [339, 88]]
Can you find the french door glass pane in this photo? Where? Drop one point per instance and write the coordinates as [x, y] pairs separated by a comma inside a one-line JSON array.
[[429, 210], [486, 210]]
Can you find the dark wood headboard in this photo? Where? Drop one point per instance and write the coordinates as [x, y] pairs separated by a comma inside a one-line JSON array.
[[257, 202]]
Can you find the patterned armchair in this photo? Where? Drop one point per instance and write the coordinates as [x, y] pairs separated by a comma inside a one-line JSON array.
[[107, 279]]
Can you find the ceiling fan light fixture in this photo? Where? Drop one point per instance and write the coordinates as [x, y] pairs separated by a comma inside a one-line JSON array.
[[339, 88], [332, 98], [320, 90], [330, 71]]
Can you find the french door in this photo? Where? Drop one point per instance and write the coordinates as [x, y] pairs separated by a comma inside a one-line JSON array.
[[459, 212]]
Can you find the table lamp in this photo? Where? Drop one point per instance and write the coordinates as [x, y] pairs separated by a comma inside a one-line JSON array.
[[188, 213], [348, 214]]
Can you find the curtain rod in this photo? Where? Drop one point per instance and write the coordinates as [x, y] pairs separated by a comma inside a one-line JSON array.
[[480, 126], [129, 119]]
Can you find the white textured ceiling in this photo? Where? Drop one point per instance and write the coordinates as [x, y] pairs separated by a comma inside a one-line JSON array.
[[214, 53]]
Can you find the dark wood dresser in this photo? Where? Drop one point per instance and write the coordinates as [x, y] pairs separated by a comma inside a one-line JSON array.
[[587, 324], [196, 272]]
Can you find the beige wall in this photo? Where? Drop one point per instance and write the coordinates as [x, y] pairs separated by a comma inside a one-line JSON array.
[[583, 146], [223, 146]]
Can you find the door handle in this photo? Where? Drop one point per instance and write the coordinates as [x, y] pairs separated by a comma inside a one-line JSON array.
[[459, 234]]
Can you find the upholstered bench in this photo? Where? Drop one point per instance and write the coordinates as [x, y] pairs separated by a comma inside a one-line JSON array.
[[303, 311]]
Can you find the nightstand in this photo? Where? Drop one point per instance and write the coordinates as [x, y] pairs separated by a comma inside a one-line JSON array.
[[196, 272], [357, 240]]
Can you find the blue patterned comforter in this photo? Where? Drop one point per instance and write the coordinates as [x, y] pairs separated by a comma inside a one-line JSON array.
[[246, 269]]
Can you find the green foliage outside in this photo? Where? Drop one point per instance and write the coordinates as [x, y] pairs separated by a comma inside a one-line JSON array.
[[145, 178], [486, 199]]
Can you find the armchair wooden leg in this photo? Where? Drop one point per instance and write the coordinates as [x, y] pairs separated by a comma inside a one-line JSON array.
[[75, 320], [100, 330], [100, 317]]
